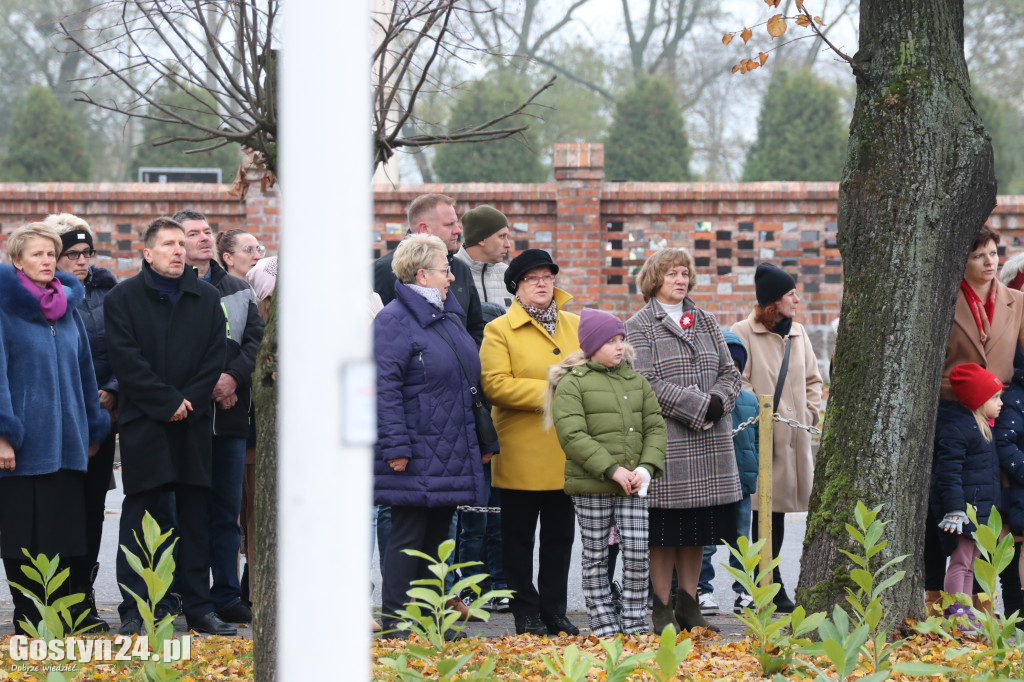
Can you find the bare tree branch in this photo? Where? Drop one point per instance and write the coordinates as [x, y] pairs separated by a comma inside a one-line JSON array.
[[412, 39], [201, 48]]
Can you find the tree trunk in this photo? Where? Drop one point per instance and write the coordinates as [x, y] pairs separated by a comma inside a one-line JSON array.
[[917, 187], [263, 574]]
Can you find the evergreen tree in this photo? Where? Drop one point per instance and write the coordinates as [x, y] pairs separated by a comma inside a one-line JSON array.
[[800, 134], [1005, 126], [647, 139], [44, 142], [515, 159], [173, 155]]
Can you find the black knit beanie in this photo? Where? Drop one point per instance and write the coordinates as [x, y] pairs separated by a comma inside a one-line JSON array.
[[73, 237], [771, 283]]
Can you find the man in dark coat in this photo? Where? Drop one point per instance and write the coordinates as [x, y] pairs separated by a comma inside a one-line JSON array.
[[435, 214], [166, 336], [232, 399]]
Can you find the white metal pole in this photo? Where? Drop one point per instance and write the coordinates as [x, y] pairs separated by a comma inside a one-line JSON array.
[[325, 399]]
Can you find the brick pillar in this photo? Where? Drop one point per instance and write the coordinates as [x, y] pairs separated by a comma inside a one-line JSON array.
[[578, 240], [262, 211]]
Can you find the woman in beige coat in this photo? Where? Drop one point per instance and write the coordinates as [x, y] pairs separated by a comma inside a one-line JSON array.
[[765, 333]]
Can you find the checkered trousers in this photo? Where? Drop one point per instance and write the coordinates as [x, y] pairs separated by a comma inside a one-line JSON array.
[[596, 515]]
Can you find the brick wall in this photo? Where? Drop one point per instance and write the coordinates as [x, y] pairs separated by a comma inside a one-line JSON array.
[[601, 233], [119, 212]]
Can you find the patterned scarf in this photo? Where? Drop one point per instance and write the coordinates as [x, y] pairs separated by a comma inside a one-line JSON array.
[[546, 317], [982, 311], [432, 295]]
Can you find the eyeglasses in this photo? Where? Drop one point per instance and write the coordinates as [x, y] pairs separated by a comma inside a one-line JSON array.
[[259, 249], [538, 279], [447, 270], [73, 256]]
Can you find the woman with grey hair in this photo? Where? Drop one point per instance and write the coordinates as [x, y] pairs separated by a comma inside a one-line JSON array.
[[76, 255], [428, 458], [51, 421]]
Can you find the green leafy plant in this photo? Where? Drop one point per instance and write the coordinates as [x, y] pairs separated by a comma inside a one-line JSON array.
[[56, 619], [56, 616], [157, 574], [1002, 659], [618, 669], [670, 655], [775, 639], [861, 637], [439, 626], [573, 665]]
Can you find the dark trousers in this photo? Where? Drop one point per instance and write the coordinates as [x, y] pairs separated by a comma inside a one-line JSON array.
[[97, 483], [192, 552], [520, 511], [24, 609], [934, 558], [419, 528], [778, 533]]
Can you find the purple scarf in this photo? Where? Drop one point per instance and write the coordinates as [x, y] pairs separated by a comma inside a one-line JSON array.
[[52, 301]]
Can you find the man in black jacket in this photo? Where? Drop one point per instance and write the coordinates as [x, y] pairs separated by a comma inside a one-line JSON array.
[[232, 399], [166, 339], [435, 214]]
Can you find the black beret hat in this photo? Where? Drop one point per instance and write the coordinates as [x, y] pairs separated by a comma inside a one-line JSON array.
[[523, 263], [771, 283]]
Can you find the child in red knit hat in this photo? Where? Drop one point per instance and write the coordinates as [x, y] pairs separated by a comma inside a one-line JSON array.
[[965, 470]]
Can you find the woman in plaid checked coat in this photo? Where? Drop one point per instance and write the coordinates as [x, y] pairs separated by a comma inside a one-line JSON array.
[[682, 353]]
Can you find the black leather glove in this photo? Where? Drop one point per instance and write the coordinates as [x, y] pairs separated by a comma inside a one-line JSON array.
[[715, 409]]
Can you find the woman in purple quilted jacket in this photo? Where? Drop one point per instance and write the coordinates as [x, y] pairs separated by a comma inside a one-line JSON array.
[[427, 459]]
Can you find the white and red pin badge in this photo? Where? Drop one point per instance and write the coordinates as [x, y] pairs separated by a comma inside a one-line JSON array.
[[686, 321]]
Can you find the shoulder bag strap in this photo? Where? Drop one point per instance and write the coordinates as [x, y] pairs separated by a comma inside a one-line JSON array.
[[472, 388], [783, 370]]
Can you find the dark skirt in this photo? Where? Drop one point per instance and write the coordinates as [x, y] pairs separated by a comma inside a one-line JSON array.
[[44, 513], [692, 527]]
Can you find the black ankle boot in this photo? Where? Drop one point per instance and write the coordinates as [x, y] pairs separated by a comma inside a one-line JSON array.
[[91, 623]]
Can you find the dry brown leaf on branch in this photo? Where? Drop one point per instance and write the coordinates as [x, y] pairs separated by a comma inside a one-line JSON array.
[[799, 5], [776, 26], [818, 21], [762, 57], [727, 38], [735, 68], [746, 34], [772, 3], [802, 20]]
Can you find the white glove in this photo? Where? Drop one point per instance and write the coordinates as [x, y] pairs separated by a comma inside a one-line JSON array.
[[646, 476], [953, 521]]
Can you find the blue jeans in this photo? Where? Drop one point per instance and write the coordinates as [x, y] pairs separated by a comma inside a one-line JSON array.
[[707, 571], [225, 506], [478, 529]]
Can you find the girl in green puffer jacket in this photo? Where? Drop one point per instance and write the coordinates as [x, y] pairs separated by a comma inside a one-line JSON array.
[[609, 424]]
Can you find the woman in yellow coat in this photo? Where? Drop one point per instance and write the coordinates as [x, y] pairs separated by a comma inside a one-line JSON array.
[[517, 350]]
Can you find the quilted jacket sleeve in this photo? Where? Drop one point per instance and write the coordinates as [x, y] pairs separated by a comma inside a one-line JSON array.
[[391, 352], [947, 469], [1009, 437], [574, 436]]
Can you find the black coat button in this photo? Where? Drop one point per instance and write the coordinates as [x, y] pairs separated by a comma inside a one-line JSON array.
[[556, 351]]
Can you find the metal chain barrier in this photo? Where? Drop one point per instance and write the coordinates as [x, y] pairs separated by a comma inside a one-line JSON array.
[[797, 425], [746, 424]]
